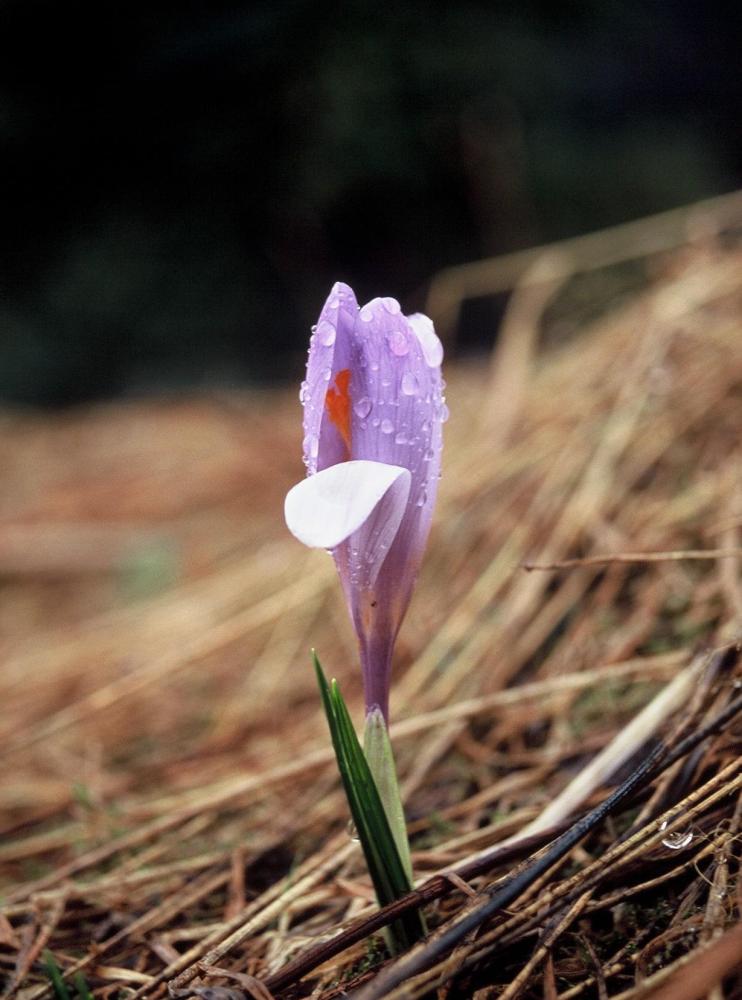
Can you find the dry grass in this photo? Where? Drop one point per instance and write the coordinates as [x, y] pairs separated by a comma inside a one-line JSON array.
[[169, 805]]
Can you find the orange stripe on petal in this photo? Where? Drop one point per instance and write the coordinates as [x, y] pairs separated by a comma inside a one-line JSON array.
[[337, 404]]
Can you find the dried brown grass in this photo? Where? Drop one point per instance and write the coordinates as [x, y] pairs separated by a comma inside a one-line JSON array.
[[169, 804]]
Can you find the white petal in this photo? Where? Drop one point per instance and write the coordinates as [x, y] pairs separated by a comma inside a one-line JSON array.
[[326, 508], [424, 330]]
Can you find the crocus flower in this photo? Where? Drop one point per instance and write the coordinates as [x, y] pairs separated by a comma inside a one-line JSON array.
[[373, 415]]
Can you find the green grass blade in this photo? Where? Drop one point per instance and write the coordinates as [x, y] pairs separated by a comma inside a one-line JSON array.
[[81, 986], [377, 841], [55, 977], [367, 792]]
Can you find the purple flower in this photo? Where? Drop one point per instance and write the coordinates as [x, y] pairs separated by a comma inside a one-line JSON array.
[[373, 415]]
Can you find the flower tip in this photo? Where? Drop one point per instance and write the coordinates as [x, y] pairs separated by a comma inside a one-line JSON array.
[[342, 295], [432, 348]]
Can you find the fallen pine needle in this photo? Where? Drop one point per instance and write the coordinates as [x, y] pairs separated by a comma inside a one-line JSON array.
[[636, 557]]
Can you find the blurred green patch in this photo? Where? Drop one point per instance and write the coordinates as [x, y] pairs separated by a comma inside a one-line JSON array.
[[60, 988], [609, 701], [439, 829], [149, 570]]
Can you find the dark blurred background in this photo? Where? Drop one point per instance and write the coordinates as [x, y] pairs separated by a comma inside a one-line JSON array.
[[184, 181]]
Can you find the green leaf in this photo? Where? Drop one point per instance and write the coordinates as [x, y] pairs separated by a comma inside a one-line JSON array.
[[377, 749], [59, 986], [55, 976], [81, 986], [387, 871]]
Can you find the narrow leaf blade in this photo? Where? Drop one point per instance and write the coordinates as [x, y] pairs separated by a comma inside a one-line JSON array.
[[377, 841]]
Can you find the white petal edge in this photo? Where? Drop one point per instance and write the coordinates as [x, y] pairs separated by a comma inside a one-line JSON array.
[[325, 509], [424, 330]]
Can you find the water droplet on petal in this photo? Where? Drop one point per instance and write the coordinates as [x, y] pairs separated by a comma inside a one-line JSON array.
[[401, 438], [366, 314], [391, 305], [398, 344], [311, 445], [387, 427], [410, 384], [422, 499], [326, 373], [326, 334], [444, 413], [362, 407]]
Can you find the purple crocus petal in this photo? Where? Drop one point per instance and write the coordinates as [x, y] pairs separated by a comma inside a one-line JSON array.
[[397, 415], [373, 400], [329, 353], [432, 350]]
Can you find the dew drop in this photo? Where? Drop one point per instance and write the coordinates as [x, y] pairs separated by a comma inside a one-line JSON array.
[[678, 840], [392, 306], [311, 445], [366, 314], [326, 373], [444, 413], [387, 427], [401, 438], [326, 334], [398, 344], [362, 407], [375, 422], [410, 384], [422, 499]]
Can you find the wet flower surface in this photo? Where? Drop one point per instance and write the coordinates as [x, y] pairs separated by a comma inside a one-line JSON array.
[[373, 415]]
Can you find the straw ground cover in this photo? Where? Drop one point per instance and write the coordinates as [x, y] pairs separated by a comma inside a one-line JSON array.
[[171, 815]]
